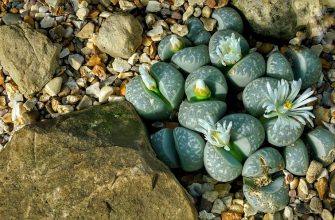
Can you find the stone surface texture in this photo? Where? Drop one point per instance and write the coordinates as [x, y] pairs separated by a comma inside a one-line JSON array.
[[120, 35], [280, 19], [93, 164], [29, 57]]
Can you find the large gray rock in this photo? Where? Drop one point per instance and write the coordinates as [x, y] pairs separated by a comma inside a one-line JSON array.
[[94, 164], [279, 18], [29, 56], [120, 35]]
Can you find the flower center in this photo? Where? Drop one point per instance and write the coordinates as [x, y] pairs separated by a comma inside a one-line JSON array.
[[288, 105]]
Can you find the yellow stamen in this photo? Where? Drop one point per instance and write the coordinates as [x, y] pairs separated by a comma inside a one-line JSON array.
[[288, 105]]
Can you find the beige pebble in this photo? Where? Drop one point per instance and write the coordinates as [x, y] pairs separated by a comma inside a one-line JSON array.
[[326, 215], [179, 29], [302, 188], [209, 23], [206, 12], [313, 171], [197, 12], [188, 13], [294, 183]]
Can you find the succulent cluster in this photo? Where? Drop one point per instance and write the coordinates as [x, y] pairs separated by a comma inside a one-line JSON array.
[[276, 111]]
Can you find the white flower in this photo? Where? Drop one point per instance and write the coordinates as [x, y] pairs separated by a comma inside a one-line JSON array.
[[201, 90], [217, 134], [148, 80], [176, 43], [229, 50], [283, 103]]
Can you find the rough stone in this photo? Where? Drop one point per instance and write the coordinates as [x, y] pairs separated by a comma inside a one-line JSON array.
[[313, 171], [120, 35], [281, 19], [78, 166], [29, 57], [86, 32], [53, 87], [316, 205]]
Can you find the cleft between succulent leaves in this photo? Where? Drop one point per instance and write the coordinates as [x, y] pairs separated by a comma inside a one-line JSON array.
[[176, 43], [201, 90], [218, 135], [229, 50], [148, 80]]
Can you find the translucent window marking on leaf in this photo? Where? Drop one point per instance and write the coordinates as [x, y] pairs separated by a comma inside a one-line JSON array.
[[283, 102], [217, 134], [148, 80], [229, 50], [201, 90], [176, 43]]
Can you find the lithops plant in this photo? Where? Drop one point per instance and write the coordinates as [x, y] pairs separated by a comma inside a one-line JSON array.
[[269, 199], [278, 67], [305, 64], [190, 112], [296, 158], [229, 142], [228, 18], [227, 47], [196, 31], [171, 44], [206, 82], [254, 95], [263, 190], [191, 58], [179, 147], [246, 70], [164, 146], [155, 94], [322, 142], [287, 112]]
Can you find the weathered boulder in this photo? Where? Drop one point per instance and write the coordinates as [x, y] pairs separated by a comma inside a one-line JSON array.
[[29, 57], [280, 19], [93, 164], [120, 35]]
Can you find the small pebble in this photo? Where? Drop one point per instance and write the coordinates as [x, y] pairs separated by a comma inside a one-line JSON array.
[[179, 29], [65, 52], [120, 65], [218, 206], [47, 22], [294, 183], [104, 93], [326, 215], [93, 90], [153, 6], [209, 23], [211, 195], [322, 187], [206, 12], [203, 215], [302, 188], [134, 58], [313, 171], [316, 205], [86, 32], [288, 213], [54, 86], [197, 12], [75, 60], [230, 215], [82, 13], [188, 13], [85, 102]]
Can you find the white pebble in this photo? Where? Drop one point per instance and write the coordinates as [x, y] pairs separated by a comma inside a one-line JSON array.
[[53, 86], [82, 13], [75, 60], [120, 65], [144, 58], [65, 52], [93, 90], [47, 22], [288, 213], [43, 9], [134, 58], [218, 206], [105, 92], [85, 102], [153, 6]]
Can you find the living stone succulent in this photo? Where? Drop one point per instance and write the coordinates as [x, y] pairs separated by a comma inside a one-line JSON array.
[[231, 146], [157, 92]]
